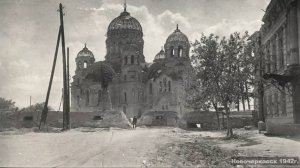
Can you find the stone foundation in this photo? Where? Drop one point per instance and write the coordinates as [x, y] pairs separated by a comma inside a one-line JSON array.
[[283, 129]]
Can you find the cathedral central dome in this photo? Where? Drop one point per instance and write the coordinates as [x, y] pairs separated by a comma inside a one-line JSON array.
[[125, 22]]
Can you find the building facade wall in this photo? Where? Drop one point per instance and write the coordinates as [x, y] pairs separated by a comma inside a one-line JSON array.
[[280, 57]]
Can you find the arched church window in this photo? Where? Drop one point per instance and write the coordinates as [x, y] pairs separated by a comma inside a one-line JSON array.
[[172, 51], [132, 59], [150, 88], [125, 97], [133, 94], [125, 60], [125, 77], [85, 64], [99, 96], [169, 86], [87, 97], [179, 51], [160, 86], [165, 84]]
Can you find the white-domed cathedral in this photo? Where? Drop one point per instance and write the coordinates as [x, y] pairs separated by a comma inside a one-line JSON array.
[[124, 81]]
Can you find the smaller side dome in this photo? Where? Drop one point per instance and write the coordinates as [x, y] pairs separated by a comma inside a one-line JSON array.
[[85, 52], [160, 55], [177, 35]]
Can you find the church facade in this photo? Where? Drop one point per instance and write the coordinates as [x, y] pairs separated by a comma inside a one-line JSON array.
[[125, 82]]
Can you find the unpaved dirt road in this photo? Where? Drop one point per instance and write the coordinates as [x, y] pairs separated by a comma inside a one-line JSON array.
[[82, 148], [152, 147]]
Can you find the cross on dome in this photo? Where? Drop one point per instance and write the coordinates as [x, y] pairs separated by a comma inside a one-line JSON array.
[[125, 6], [177, 29]]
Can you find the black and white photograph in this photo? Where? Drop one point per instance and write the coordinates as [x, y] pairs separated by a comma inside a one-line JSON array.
[[150, 83]]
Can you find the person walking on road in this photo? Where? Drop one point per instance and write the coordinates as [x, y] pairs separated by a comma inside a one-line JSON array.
[[134, 121]]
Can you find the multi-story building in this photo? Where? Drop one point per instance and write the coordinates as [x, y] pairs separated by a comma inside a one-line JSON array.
[[279, 72]]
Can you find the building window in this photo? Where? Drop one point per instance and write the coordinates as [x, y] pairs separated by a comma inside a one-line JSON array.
[[125, 97], [87, 97], [142, 95], [167, 107], [125, 60], [276, 104], [159, 117], [85, 64], [132, 59], [27, 118], [78, 99], [266, 110], [98, 117], [270, 105], [169, 86], [268, 61], [274, 56], [133, 94], [99, 96], [179, 51], [281, 54], [165, 84], [160, 86], [162, 107], [150, 88], [172, 51], [125, 77], [283, 103]]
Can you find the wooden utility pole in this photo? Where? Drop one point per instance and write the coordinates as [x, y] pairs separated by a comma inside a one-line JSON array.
[[45, 110], [68, 87], [66, 125], [66, 96]]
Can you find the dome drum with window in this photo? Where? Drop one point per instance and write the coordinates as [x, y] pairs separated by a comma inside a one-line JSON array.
[[84, 58], [177, 45]]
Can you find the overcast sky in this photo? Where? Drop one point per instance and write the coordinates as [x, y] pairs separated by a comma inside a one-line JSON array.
[[29, 28]]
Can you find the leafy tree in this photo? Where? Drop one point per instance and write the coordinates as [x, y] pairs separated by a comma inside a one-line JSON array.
[[206, 62], [36, 107], [224, 69], [6, 104]]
